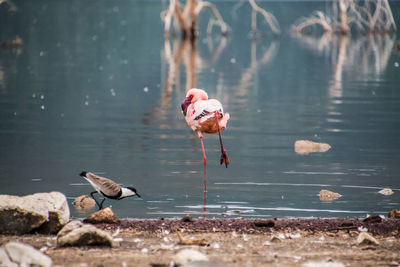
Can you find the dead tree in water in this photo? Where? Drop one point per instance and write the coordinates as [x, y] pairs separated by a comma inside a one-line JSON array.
[[187, 18], [369, 16]]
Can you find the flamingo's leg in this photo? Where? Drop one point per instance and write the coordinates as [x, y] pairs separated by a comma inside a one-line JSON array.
[[205, 165], [224, 155]]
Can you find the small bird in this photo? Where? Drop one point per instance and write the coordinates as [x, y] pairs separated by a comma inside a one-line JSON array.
[[205, 115], [108, 188]]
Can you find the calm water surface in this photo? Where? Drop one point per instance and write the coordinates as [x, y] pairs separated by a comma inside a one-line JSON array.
[[96, 88]]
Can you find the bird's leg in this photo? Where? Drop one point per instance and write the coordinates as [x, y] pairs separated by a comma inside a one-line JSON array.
[[224, 155], [96, 200], [205, 166], [101, 204]]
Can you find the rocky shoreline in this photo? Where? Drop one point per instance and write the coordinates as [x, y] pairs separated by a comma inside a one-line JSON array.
[[37, 230]]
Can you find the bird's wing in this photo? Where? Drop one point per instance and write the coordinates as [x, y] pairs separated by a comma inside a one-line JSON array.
[[106, 186], [204, 107]]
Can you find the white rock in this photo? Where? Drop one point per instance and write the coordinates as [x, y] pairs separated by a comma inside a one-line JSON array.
[[5, 260], [78, 234], [366, 239], [322, 264], [45, 212], [25, 255], [189, 255]]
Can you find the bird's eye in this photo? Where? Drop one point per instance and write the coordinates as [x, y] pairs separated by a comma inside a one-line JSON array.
[[191, 96]]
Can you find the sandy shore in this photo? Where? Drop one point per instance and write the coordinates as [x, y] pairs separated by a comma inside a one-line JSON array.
[[236, 242]]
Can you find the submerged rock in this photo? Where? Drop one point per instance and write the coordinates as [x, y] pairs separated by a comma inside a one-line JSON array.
[[102, 216], [84, 203], [386, 191], [326, 195], [42, 212], [77, 234], [20, 254], [304, 147]]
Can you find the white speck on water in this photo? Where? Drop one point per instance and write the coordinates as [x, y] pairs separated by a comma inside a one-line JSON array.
[[36, 179], [204, 40], [101, 68], [41, 53], [111, 77], [145, 250], [233, 60], [42, 97], [123, 22], [62, 115], [124, 61], [94, 37], [113, 92], [33, 95], [258, 110], [15, 113], [122, 38], [212, 70], [158, 85], [116, 9], [146, 89], [86, 103], [192, 171], [87, 96], [373, 93], [396, 64], [42, 107]]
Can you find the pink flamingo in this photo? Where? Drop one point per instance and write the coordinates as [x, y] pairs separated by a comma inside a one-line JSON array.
[[205, 115]]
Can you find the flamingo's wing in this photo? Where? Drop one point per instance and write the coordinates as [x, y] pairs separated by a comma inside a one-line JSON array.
[[106, 186], [205, 107]]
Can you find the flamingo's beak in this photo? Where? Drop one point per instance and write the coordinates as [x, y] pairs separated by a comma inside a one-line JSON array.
[[185, 104]]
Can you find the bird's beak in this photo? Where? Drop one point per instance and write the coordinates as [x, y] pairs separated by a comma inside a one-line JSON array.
[[185, 103], [138, 195]]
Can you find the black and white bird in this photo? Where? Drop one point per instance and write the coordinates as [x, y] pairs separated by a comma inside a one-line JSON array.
[[108, 188]]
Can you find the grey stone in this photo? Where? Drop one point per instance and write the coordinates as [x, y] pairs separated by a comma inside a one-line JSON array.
[[42, 212], [19, 254], [77, 234]]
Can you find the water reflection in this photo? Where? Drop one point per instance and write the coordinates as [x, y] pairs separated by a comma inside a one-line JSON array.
[[364, 55]]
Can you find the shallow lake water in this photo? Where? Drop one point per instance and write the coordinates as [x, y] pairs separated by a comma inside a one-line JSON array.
[[95, 87]]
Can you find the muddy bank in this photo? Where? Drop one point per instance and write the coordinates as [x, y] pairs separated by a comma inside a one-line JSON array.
[[374, 224], [234, 242]]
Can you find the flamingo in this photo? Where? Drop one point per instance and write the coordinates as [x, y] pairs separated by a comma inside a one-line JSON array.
[[205, 115]]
